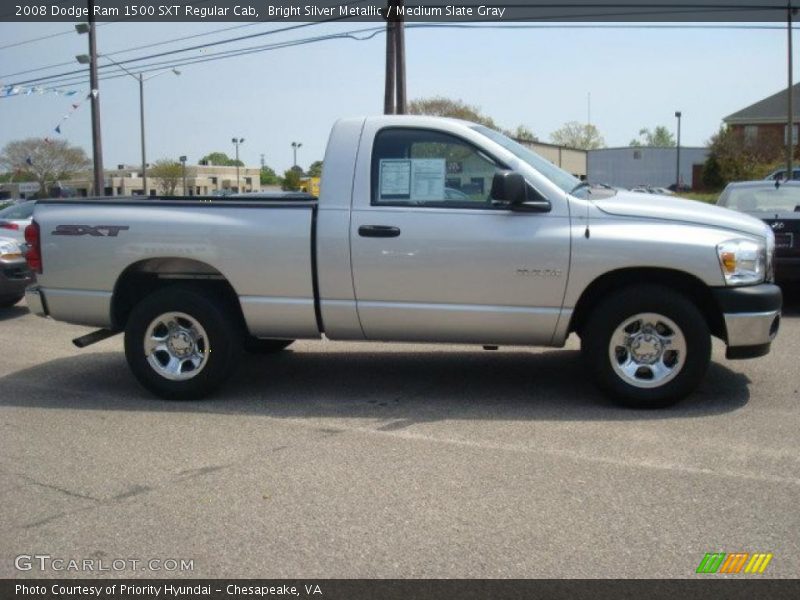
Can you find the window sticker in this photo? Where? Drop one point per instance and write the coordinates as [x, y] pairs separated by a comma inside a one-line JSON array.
[[395, 179], [427, 179]]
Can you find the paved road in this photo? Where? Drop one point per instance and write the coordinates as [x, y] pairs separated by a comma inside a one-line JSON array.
[[355, 460]]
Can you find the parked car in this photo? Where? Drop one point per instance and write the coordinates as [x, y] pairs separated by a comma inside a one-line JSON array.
[[778, 205], [15, 275], [780, 175], [385, 255], [15, 218]]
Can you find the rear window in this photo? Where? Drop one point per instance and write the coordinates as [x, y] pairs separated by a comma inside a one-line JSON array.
[[766, 199]]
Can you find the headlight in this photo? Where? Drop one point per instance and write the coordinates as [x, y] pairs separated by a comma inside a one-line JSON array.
[[9, 250], [743, 261]]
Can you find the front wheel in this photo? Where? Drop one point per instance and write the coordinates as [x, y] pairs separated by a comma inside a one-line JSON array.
[[182, 343], [647, 346]]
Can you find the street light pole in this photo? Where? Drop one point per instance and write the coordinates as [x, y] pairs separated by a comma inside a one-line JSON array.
[[295, 146], [678, 153], [83, 59], [183, 164], [141, 125], [236, 142]]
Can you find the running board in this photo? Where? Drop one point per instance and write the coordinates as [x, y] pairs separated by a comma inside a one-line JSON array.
[[94, 337]]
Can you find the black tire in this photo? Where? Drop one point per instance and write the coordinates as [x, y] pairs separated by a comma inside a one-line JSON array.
[[9, 302], [689, 364], [221, 343], [255, 345]]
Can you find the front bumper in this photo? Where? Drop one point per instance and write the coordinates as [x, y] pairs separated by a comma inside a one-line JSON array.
[[35, 300], [752, 317]]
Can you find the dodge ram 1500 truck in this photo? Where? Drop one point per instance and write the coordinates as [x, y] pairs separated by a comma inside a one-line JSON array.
[[426, 230]]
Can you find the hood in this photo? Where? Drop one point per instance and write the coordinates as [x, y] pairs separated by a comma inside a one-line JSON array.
[[653, 206]]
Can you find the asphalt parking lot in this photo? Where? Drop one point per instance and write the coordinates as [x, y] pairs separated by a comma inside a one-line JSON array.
[[357, 460]]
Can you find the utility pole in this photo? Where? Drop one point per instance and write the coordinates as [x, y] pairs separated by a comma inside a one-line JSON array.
[[790, 96], [391, 64], [400, 61], [678, 159], [97, 146]]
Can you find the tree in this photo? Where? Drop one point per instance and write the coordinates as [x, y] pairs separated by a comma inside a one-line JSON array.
[[291, 180], [732, 157], [220, 159], [439, 106], [47, 161], [268, 176], [168, 174], [660, 137], [315, 169], [523, 134], [578, 135]]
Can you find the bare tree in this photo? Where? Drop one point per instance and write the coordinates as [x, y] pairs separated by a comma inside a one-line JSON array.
[[47, 161], [578, 135], [168, 174]]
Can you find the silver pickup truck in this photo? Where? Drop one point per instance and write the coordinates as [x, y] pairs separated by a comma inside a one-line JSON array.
[[426, 230]]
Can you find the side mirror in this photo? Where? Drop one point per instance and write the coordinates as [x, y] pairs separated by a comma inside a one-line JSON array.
[[509, 187]]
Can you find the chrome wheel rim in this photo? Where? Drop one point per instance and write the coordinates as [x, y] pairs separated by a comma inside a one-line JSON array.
[[176, 346], [647, 350]]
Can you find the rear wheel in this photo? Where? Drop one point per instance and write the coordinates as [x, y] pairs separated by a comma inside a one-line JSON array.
[[647, 346], [181, 343]]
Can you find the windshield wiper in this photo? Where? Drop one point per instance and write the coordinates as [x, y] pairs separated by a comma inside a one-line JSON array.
[[580, 186]]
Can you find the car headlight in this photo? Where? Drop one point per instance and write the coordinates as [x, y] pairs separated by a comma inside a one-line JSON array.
[[770, 276], [743, 261], [9, 250]]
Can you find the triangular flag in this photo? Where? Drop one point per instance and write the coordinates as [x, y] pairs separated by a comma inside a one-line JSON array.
[[58, 128]]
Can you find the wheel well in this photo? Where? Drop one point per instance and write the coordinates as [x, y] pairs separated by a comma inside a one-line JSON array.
[[143, 278], [689, 285]]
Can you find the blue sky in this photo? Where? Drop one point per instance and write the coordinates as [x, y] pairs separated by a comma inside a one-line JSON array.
[[539, 78]]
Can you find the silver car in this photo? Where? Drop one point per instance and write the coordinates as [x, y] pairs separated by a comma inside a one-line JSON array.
[[15, 218], [15, 275]]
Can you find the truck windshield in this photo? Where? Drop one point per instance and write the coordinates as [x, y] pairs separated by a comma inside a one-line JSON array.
[[558, 176]]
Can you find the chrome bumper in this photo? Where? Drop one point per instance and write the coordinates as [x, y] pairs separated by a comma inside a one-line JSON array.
[[35, 300], [750, 329]]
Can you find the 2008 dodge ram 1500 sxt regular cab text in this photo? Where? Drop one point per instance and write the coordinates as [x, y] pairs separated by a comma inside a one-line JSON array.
[[426, 230]]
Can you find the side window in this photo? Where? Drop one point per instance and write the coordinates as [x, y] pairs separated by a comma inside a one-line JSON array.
[[428, 168]]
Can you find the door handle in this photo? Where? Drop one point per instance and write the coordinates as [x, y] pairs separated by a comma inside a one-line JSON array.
[[379, 231]]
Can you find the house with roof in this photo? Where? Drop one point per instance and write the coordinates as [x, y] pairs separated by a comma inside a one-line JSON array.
[[767, 120]]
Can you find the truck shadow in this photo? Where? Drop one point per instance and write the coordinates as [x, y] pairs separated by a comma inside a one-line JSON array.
[[401, 387]]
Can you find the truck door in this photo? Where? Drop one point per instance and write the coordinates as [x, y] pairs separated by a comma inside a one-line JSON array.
[[435, 260]]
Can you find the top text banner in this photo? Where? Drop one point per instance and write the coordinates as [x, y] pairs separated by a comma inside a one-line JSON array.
[[413, 11]]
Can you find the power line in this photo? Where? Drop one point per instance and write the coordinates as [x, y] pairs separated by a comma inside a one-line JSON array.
[[78, 76], [367, 33], [126, 50], [197, 47]]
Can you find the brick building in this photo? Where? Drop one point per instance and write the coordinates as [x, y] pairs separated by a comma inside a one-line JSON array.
[[767, 120]]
